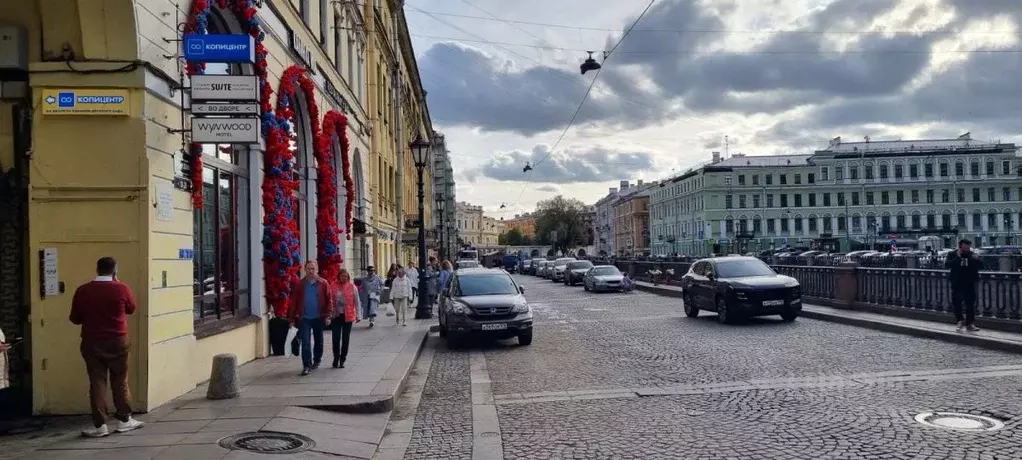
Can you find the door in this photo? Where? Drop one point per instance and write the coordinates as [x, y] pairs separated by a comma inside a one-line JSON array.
[[14, 306], [707, 286]]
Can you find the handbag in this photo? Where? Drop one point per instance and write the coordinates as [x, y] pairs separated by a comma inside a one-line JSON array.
[[295, 341]]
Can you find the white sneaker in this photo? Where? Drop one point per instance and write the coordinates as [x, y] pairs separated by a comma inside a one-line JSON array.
[[131, 424], [96, 432]]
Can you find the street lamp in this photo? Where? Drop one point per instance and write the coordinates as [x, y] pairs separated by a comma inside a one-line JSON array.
[[420, 153], [439, 199]]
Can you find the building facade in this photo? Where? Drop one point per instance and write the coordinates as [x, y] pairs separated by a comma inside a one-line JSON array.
[[631, 221], [847, 196], [524, 223], [444, 200], [469, 219], [185, 221], [603, 223], [491, 230]]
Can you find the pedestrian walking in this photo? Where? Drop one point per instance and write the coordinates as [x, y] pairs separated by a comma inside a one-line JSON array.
[[963, 272], [372, 287], [348, 306], [101, 307], [401, 297], [445, 275], [311, 308], [412, 273], [5, 379]]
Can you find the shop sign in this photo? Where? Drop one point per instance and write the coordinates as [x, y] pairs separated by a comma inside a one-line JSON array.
[[86, 102], [225, 109], [232, 48], [225, 87], [225, 130], [303, 51]]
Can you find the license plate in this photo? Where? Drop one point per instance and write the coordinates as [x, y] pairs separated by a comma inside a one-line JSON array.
[[494, 327], [772, 303]]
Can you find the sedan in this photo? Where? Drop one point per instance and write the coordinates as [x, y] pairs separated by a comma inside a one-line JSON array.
[[738, 287], [603, 278], [576, 271], [484, 303]]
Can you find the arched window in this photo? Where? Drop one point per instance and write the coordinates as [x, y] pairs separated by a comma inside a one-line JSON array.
[[220, 230], [301, 145]]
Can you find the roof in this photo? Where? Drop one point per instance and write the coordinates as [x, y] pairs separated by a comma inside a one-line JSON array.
[[727, 258], [763, 160], [908, 145]]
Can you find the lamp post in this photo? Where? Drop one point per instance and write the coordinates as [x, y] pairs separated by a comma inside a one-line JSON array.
[[420, 152], [439, 199]]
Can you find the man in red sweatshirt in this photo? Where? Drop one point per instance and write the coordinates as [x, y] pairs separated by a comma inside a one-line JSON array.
[[101, 307]]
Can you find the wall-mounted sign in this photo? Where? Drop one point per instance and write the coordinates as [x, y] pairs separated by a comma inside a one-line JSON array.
[[225, 88], [242, 108], [51, 280], [184, 253], [86, 102], [164, 203], [234, 48], [225, 130], [303, 51]]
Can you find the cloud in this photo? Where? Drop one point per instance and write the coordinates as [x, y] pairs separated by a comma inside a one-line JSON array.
[[568, 166], [549, 188]]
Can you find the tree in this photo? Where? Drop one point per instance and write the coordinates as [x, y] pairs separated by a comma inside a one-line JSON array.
[[514, 237], [560, 223], [502, 239]]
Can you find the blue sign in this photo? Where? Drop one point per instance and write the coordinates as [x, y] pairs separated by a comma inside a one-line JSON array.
[[700, 235], [185, 253], [229, 48], [894, 243]]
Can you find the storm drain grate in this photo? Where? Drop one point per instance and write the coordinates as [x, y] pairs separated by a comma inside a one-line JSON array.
[[959, 422], [268, 442]]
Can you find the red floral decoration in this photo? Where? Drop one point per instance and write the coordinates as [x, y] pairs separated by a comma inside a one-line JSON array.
[[336, 124], [328, 250]]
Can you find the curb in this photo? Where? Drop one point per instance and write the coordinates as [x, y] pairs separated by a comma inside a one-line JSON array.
[[886, 326], [384, 402]]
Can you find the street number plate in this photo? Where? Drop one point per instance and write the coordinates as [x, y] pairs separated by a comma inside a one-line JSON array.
[[494, 327], [772, 303]]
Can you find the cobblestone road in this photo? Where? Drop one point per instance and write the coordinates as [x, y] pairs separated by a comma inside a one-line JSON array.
[[628, 376]]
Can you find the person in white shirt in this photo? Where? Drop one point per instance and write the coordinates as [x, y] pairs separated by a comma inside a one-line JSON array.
[[401, 297], [412, 274]]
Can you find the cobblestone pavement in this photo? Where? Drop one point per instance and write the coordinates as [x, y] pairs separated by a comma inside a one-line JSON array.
[[746, 391]]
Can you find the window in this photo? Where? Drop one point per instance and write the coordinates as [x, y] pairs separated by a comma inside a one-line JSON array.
[[960, 195], [1007, 193], [915, 197], [798, 178], [900, 194], [913, 171], [885, 197], [990, 167], [220, 238], [928, 170], [769, 201], [784, 179], [917, 221], [743, 268], [798, 200], [945, 221], [974, 168], [729, 226], [943, 170], [855, 198], [992, 221], [741, 201], [959, 169], [755, 201], [798, 225], [784, 200], [841, 223], [945, 196], [977, 220], [826, 199], [770, 179], [303, 10], [870, 199], [840, 198], [741, 179], [784, 225], [929, 196], [812, 200], [975, 195], [883, 171], [991, 194], [867, 172], [853, 173], [728, 202], [1005, 168], [899, 171], [812, 224], [900, 222], [755, 179], [811, 178], [824, 173], [478, 284], [839, 173], [757, 226]]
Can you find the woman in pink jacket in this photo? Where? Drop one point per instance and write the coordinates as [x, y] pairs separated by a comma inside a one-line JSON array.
[[348, 305]]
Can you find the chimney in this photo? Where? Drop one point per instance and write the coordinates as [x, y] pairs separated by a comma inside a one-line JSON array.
[[613, 190], [624, 185], [835, 141], [716, 157], [640, 182]]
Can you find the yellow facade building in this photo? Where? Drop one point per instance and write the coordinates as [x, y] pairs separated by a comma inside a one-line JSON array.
[[81, 184]]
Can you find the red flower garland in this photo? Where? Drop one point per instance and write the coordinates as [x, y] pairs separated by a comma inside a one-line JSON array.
[[336, 124], [328, 250]]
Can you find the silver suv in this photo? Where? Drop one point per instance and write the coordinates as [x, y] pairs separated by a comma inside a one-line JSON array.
[[560, 265]]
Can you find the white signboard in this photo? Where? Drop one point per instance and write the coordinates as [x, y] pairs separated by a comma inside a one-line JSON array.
[[241, 108], [164, 203], [225, 130], [225, 88], [51, 282]]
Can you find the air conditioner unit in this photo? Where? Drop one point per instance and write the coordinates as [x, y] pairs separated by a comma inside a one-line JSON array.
[[13, 48]]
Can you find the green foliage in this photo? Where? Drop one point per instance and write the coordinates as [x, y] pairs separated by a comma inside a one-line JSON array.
[[560, 223]]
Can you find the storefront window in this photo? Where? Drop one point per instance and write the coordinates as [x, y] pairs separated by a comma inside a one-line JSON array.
[[301, 148]]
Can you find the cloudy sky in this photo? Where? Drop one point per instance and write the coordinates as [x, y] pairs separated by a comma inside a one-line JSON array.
[[774, 76]]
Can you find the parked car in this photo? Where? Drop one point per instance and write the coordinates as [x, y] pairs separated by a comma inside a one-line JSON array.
[[575, 271], [487, 303], [602, 278], [463, 264], [560, 265], [541, 268], [524, 266], [547, 269], [511, 262], [737, 287]]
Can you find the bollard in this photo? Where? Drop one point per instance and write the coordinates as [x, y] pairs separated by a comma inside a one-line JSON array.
[[223, 379]]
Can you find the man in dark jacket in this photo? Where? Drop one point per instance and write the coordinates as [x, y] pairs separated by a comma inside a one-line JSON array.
[[964, 266]]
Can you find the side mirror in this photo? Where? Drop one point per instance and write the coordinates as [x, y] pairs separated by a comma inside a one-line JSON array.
[[521, 289]]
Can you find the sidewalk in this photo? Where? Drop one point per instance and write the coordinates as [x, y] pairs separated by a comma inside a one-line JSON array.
[[344, 412], [991, 339]]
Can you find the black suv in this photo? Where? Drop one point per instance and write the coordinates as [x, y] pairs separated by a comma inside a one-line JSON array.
[[737, 287], [576, 271], [484, 302]]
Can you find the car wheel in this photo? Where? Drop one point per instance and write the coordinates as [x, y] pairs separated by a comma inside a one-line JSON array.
[[443, 329], [691, 310], [723, 315], [525, 339], [789, 316], [585, 286]]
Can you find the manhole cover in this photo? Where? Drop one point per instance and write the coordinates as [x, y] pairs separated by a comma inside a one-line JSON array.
[[959, 422], [268, 442]]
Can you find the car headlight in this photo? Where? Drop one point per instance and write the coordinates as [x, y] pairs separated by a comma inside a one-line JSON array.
[[521, 307], [457, 308]]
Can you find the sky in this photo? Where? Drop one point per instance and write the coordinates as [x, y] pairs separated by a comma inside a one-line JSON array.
[[769, 76]]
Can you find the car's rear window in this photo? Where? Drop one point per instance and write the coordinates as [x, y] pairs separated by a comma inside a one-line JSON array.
[[580, 264], [496, 283], [743, 268]]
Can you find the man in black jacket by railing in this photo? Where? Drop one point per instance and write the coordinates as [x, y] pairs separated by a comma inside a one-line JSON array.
[[964, 266]]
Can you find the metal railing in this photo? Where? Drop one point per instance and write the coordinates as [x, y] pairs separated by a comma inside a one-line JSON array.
[[998, 294], [815, 281]]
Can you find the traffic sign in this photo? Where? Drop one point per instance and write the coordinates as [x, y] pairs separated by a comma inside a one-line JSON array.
[[894, 242], [225, 88], [225, 109], [230, 48], [225, 130], [700, 235]]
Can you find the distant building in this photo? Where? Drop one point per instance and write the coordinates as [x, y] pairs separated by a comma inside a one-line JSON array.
[[631, 220], [524, 223]]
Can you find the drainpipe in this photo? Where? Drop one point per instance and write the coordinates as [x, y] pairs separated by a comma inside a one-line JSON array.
[[398, 128]]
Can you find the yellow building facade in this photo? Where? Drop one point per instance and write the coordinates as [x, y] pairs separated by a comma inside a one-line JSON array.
[[89, 184]]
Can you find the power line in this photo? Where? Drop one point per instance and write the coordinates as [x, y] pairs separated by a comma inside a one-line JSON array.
[[727, 31]]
